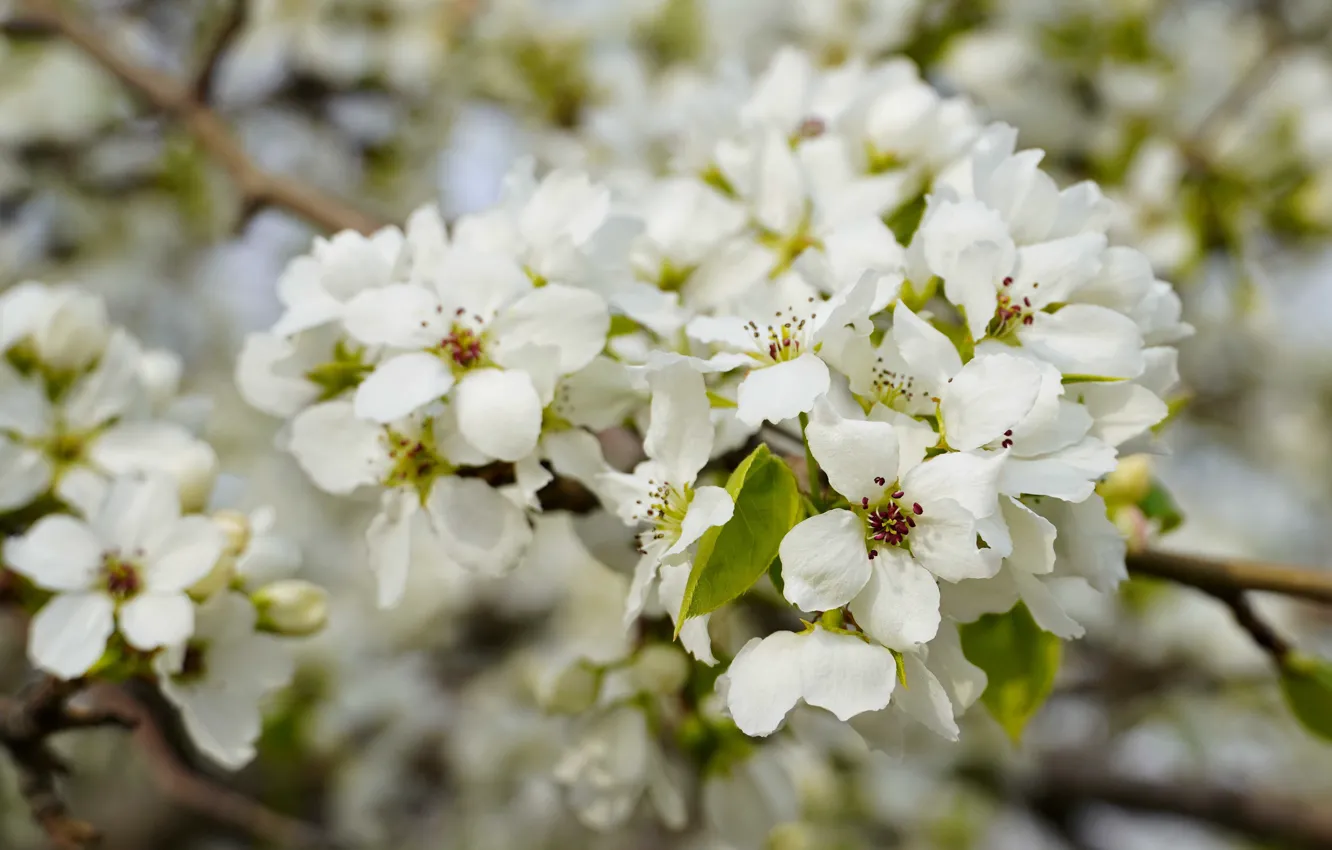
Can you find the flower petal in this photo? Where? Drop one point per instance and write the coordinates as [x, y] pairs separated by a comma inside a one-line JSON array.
[[1045, 608], [389, 539], [1069, 474], [680, 432], [401, 315], [499, 412], [846, 675], [989, 396], [157, 619], [764, 682], [944, 542], [824, 561], [780, 392], [572, 321], [709, 507], [932, 356], [24, 474], [137, 510], [1083, 339], [478, 527], [69, 634], [184, 555], [401, 385], [925, 699], [58, 553], [336, 449], [899, 606], [852, 453]]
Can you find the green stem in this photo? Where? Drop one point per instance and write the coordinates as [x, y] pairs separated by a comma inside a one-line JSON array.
[[811, 466]]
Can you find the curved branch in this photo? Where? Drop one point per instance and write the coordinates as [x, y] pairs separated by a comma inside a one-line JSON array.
[[1222, 578], [258, 188]]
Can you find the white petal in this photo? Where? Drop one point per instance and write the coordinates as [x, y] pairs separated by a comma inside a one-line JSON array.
[[478, 527], [24, 474], [184, 555], [853, 452], [925, 699], [963, 681], [110, 388], [1060, 266], [401, 385], [932, 356], [389, 540], [1121, 411], [24, 407], [710, 506], [779, 198], [1033, 538], [1069, 474], [402, 315], [1083, 339], [138, 509], [968, 245], [499, 412], [765, 682], [680, 432], [262, 384], [779, 392], [58, 553], [157, 619], [971, 479], [1089, 545], [846, 675], [1045, 608], [694, 632], [166, 448], [572, 321], [899, 606], [944, 542], [991, 395], [336, 449], [69, 634], [640, 588], [824, 561]]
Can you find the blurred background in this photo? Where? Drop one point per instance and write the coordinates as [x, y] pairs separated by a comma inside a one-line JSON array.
[[1208, 121]]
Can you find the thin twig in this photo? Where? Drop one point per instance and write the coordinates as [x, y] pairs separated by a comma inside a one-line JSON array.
[[27, 723], [231, 25], [197, 793], [258, 188]]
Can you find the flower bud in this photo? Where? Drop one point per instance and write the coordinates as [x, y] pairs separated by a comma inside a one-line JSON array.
[[1129, 483], [291, 607], [574, 690], [660, 668]]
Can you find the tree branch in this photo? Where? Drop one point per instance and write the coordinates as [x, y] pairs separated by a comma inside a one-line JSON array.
[[232, 24], [26, 724], [258, 188], [193, 791], [1223, 577]]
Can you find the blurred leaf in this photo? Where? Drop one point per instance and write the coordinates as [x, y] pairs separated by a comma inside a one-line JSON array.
[[1306, 683], [183, 175], [905, 219], [1158, 505], [1020, 661], [732, 557]]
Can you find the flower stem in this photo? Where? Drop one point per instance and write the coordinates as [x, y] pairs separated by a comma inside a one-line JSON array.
[[811, 466]]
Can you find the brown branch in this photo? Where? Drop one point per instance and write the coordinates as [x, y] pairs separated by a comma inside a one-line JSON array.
[[1222, 577], [1256, 815], [27, 723], [232, 24], [187, 788], [258, 188]]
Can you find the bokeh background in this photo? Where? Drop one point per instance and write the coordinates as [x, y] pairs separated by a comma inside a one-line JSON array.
[[1209, 121]]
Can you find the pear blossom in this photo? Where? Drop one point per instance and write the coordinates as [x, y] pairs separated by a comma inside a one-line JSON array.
[[481, 325], [220, 675], [412, 463], [661, 491], [125, 568], [783, 360]]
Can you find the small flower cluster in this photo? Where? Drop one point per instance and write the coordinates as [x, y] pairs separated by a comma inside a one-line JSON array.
[[855, 260], [101, 500]]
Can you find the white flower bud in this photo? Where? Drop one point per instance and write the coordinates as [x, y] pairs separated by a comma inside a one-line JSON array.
[[160, 371], [291, 607], [195, 469], [660, 668], [236, 527], [574, 690]]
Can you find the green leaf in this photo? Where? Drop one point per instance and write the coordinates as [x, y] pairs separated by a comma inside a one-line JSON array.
[[1159, 505], [905, 219], [733, 556], [1306, 683], [1020, 660]]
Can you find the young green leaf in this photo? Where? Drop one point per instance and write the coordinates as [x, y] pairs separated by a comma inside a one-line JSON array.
[[1020, 660], [1307, 685], [732, 557], [1158, 505]]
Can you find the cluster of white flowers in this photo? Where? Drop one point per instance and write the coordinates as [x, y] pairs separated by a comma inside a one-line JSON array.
[[102, 488], [855, 260]]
